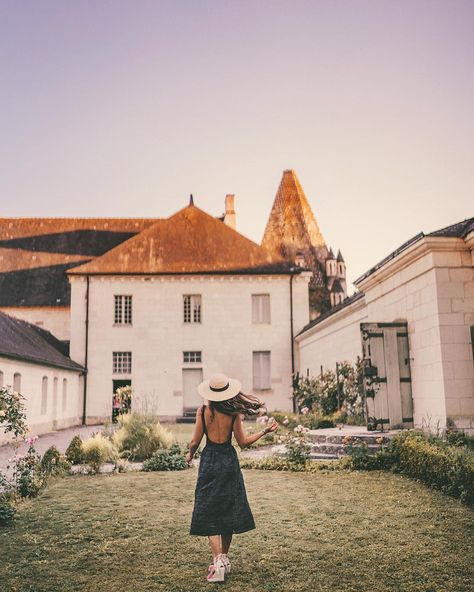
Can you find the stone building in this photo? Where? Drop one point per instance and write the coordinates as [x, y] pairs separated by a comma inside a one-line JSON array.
[[34, 362], [412, 321], [292, 233]]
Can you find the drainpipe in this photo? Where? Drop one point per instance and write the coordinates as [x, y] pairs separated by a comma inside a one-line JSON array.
[[84, 398], [292, 337]]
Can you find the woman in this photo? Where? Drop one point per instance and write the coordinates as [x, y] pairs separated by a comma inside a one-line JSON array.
[[220, 506]]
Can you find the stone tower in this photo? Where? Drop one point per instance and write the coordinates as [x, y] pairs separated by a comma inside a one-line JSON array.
[[293, 233]]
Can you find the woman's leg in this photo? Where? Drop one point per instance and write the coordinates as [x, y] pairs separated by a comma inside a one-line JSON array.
[[226, 541], [216, 545]]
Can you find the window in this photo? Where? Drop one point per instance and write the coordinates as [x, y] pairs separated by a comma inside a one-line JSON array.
[[192, 356], [122, 362], [44, 395], [64, 394], [17, 382], [192, 308], [261, 370], [123, 310], [260, 308]]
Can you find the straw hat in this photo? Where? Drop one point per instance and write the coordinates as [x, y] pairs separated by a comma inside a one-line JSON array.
[[219, 388]]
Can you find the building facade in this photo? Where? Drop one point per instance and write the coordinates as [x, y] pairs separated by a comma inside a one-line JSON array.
[[422, 298]]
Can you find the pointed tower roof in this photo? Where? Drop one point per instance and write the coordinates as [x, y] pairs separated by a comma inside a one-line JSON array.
[[291, 224], [330, 254], [337, 286], [340, 258], [190, 241]]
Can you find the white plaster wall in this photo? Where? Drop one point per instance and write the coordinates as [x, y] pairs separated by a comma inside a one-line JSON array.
[[227, 337], [56, 320], [337, 339], [31, 389], [433, 290]]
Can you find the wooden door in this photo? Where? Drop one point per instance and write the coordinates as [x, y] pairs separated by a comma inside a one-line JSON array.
[[387, 379], [191, 378]]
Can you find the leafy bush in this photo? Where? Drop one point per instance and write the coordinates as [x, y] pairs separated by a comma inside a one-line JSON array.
[[7, 511], [448, 468], [97, 451], [456, 438], [166, 460], [74, 453], [54, 463], [140, 435], [275, 463], [313, 421]]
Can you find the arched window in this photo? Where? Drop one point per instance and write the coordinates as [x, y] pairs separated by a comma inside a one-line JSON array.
[[44, 395], [17, 382], [64, 394]]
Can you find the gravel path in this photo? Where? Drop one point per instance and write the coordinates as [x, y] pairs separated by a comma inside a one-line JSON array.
[[60, 439]]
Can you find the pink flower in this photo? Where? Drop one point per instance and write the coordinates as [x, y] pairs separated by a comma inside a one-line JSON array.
[[304, 410], [286, 421]]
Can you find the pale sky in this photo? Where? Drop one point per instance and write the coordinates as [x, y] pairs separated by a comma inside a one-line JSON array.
[[124, 108]]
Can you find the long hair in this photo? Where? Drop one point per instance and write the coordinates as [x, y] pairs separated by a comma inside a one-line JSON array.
[[246, 404]]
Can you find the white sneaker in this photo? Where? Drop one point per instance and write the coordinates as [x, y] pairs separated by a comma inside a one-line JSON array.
[[216, 571], [227, 563]]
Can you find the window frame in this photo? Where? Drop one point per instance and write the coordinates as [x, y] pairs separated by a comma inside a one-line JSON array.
[[192, 354], [121, 362], [194, 299], [123, 310]]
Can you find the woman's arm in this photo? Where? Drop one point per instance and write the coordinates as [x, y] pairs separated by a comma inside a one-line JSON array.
[[196, 437], [243, 440]]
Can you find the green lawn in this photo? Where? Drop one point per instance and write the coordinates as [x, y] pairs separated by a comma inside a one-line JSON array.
[[336, 531]]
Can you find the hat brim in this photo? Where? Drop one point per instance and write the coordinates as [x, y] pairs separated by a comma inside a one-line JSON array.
[[234, 388]]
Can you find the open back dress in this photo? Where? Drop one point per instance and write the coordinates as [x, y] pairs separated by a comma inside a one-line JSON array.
[[220, 500]]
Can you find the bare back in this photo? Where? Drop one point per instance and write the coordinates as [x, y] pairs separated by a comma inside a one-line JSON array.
[[217, 426]]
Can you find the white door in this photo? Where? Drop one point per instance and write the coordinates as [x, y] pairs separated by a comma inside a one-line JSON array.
[[191, 378]]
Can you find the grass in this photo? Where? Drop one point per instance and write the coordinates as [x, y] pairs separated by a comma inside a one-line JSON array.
[[338, 532]]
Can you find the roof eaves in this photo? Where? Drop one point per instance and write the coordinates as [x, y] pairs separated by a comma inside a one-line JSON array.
[[344, 304], [73, 366]]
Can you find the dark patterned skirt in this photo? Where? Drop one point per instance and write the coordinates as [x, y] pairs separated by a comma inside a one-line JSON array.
[[220, 501]]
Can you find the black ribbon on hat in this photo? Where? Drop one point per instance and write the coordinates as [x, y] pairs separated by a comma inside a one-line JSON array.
[[219, 390]]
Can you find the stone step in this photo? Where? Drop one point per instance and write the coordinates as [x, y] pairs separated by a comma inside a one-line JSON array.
[[318, 438], [280, 450]]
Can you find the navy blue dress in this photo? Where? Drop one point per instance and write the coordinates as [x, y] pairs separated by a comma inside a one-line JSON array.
[[220, 500]]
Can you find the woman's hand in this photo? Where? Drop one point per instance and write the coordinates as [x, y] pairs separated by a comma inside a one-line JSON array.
[[188, 458], [272, 427]]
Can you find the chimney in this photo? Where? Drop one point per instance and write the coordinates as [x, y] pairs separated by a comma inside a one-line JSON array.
[[229, 216]]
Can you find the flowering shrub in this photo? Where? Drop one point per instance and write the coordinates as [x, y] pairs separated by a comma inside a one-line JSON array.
[[310, 420], [166, 460], [12, 412], [332, 390], [28, 477], [297, 448]]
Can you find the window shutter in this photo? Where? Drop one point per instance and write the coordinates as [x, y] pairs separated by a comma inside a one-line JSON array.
[[265, 372], [256, 371], [265, 308]]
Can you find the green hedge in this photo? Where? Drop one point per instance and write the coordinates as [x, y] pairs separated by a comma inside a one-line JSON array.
[[428, 459]]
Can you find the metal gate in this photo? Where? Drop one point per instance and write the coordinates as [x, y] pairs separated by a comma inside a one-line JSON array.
[[387, 379]]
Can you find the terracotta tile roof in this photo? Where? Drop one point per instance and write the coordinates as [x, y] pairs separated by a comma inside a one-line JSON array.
[[11, 228], [24, 341], [16, 259], [190, 241]]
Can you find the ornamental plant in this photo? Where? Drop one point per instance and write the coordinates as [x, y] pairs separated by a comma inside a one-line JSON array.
[[297, 448], [12, 412]]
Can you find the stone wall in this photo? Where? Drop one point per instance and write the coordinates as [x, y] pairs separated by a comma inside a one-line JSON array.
[[54, 319]]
